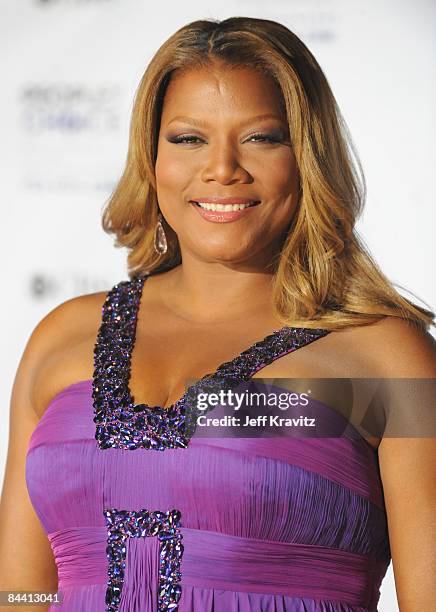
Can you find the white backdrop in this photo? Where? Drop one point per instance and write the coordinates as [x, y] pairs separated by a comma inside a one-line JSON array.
[[70, 69]]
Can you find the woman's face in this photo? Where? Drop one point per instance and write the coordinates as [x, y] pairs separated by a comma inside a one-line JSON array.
[[224, 134]]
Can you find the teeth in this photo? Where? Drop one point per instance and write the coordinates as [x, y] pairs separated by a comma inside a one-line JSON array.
[[224, 207]]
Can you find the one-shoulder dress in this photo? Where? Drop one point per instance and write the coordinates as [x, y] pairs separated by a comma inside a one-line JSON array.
[[142, 517]]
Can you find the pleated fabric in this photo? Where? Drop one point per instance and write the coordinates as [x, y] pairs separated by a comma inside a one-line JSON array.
[[267, 525]]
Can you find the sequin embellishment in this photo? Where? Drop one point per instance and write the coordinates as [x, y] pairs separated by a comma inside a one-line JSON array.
[[123, 524], [120, 423]]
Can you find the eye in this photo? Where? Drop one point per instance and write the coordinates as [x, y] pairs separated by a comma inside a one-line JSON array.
[[271, 138], [187, 139]]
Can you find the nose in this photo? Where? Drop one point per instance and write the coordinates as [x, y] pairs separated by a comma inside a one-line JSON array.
[[224, 166]]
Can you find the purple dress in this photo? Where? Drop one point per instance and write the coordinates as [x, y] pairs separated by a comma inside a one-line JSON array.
[[142, 517]]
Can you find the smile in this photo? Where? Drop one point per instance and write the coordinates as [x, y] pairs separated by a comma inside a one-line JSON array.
[[225, 207], [218, 212]]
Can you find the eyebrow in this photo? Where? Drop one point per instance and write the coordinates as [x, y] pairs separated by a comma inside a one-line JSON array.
[[205, 124]]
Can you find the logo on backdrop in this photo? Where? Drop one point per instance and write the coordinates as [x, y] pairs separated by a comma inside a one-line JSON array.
[[44, 286], [67, 125], [69, 107]]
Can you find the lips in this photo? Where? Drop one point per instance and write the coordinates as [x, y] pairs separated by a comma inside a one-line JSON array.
[[217, 200], [223, 216]]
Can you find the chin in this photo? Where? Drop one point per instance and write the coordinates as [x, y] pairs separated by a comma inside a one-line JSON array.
[[223, 255]]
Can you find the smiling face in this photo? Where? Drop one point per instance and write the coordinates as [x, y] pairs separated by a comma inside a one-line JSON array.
[[224, 134]]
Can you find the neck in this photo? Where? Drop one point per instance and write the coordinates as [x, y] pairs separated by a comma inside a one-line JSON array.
[[213, 291]]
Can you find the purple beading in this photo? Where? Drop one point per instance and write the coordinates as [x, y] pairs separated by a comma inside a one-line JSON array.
[[124, 524]]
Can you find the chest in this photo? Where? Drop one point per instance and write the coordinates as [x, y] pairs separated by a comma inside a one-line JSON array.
[[162, 371], [164, 364]]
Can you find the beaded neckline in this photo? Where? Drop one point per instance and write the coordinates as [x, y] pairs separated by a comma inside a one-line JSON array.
[[122, 423]]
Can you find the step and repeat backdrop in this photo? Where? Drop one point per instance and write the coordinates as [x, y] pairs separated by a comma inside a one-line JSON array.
[[70, 69]]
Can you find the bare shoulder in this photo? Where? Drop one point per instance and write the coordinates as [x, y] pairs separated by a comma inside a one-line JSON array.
[[70, 317], [61, 347], [397, 348]]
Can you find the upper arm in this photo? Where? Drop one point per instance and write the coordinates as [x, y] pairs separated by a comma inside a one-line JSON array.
[[407, 457], [26, 558], [407, 467]]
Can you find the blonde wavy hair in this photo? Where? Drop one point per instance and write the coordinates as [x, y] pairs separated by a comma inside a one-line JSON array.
[[323, 275]]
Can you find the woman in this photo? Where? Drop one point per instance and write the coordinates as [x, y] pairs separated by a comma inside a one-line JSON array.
[[238, 205]]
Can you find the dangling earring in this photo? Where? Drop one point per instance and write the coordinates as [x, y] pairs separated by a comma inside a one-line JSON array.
[[160, 240]]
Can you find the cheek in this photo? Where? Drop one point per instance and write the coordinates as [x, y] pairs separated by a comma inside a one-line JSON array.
[[283, 174], [277, 175], [171, 173], [168, 176]]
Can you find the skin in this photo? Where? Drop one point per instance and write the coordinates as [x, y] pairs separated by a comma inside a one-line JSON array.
[[222, 262]]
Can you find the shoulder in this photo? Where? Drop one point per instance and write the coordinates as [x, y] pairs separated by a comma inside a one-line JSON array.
[[397, 348], [72, 318], [390, 348], [59, 351]]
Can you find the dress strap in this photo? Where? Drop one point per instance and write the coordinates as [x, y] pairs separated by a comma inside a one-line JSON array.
[[113, 347]]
